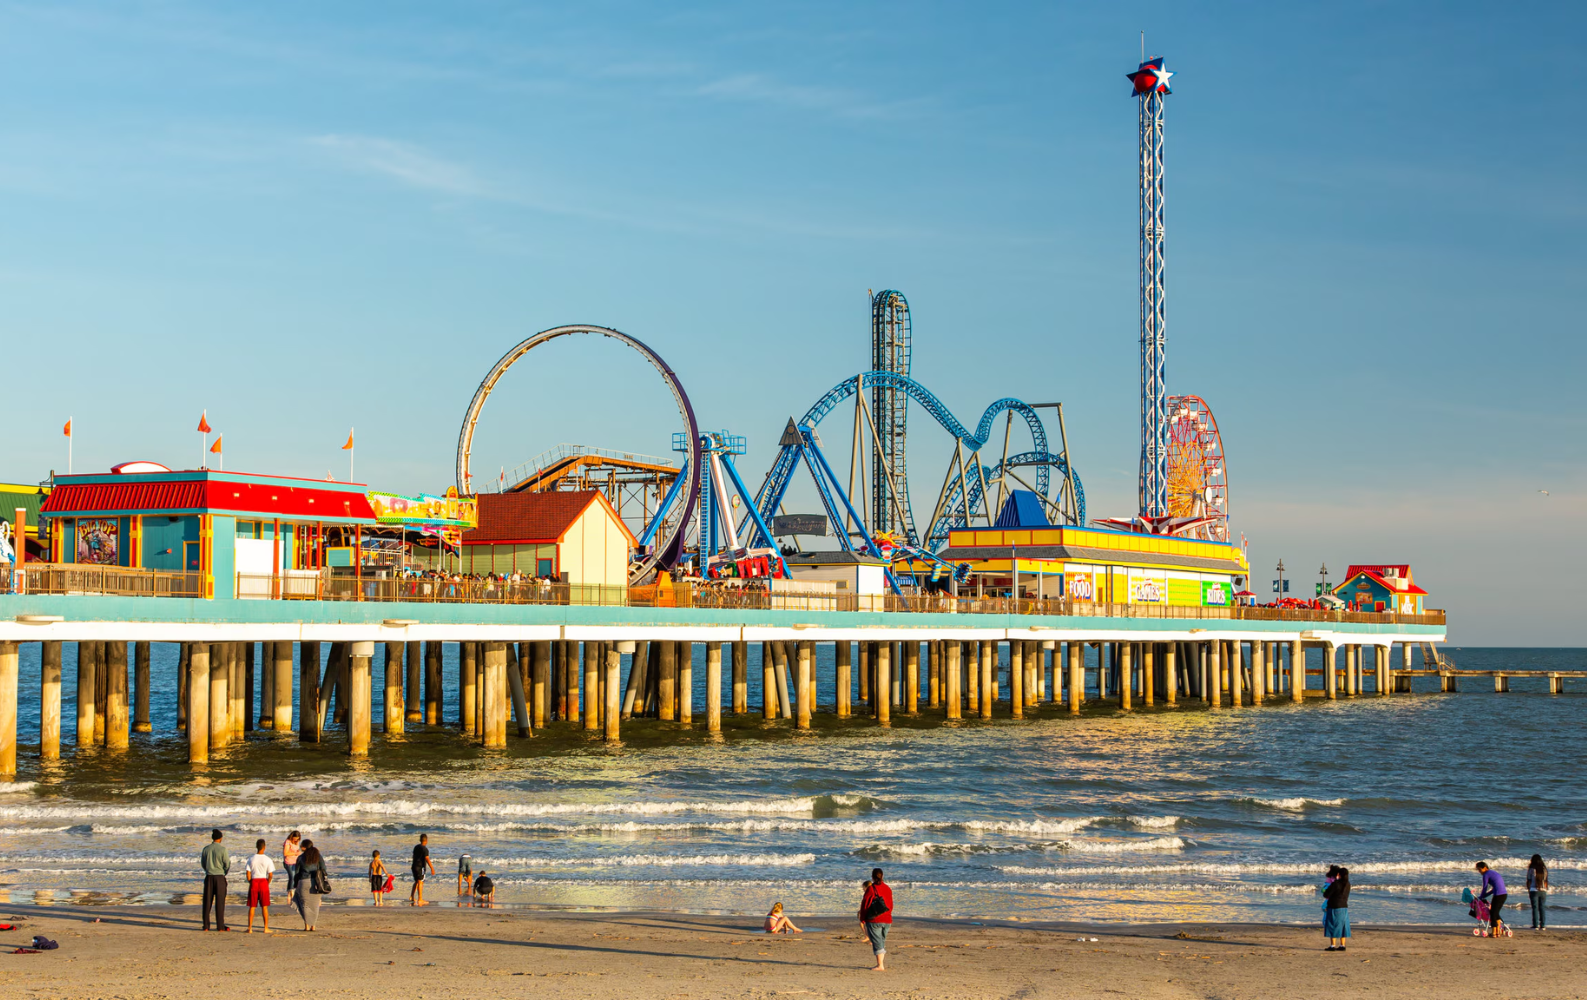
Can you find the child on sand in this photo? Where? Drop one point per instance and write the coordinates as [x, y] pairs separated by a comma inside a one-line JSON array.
[[778, 923], [484, 888], [377, 879], [260, 868]]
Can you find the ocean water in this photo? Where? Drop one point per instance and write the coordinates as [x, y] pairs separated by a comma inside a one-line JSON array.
[[1182, 814]]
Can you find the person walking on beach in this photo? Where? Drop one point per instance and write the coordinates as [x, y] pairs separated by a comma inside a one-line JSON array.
[[1336, 908], [313, 883], [1494, 892], [290, 849], [216, 863], [421, 861], [876, 916], [259, 868], [465, 874], [1537, 891]]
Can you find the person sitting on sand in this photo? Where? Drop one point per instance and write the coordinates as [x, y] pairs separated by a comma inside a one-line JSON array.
[[484, 888], [377, 879], [777, 922]]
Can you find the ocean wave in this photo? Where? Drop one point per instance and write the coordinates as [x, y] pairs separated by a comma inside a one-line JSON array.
[[9, 787], [1126, 846], [409, 808], [926, 849], [1297, 804], [1154, 822], [1285, 868], [655, 861]]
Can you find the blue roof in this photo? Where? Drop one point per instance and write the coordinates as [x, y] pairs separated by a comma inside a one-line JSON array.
[[1022, 509]]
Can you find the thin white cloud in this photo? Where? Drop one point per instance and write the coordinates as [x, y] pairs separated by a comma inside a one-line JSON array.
[[406, 163]]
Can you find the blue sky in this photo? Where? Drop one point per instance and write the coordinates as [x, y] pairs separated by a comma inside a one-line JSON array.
[[304, 217]]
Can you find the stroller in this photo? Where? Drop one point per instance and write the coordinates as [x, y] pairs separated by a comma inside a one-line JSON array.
[[1479, 911]]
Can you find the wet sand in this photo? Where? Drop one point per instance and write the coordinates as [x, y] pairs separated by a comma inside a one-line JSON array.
[[442, 951]]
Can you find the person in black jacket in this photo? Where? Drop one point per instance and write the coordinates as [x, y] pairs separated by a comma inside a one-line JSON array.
[[1336, 914]]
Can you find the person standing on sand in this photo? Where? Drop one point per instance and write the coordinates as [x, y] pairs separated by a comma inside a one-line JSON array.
[[1336, 912], [876, 916], [259, 868], [421, 861], [312, 884], [377, 878], [1537, 889], [216, 863], [290, 849]]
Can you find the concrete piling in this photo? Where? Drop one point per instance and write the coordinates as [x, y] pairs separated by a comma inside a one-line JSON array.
[[140, 698], [198, 687], [309, 713], [740, 678], [10, 678], [50, 702], [359, 695], [804, 675], [394, 709], [85, 694], [882, 684], [613, 688], [844, 669], [713, 687], [118, 720]]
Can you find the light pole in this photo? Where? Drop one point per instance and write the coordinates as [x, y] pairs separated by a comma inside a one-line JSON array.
[[1278, 585], [1322, 588]]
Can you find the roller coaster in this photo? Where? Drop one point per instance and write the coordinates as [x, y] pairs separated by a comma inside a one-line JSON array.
[[733, 533]]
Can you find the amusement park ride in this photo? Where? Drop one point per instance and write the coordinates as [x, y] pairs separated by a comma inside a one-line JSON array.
[[1183, 486]]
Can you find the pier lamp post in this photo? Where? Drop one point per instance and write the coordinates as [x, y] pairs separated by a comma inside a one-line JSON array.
[[1278, 585], [1322, 588]]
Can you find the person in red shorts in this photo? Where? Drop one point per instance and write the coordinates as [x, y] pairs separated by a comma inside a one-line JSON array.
[[259, 869]]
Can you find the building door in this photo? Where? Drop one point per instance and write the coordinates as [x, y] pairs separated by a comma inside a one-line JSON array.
[[190, 560]]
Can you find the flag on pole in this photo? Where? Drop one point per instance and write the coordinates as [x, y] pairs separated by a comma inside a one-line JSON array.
[[349, 445], [215, 449], [67, 430], [203, 422]]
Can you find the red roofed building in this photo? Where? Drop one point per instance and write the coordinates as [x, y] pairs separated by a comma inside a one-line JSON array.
[[206, 524], [574, 537], [1383, 587]]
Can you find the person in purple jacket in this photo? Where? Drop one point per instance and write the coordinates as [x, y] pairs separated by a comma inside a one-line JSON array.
[[1494, 892]]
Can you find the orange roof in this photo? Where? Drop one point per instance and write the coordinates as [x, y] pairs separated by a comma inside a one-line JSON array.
[[535, 517]]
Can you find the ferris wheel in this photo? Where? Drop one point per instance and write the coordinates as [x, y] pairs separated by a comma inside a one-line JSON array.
[[1198, 480]]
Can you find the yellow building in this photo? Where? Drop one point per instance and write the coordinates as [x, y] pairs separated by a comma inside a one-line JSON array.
[[1093, 564]]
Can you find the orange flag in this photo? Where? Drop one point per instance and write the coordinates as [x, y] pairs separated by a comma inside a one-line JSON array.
[[216, 446], [349, 445], [203, 422], [67, 430]]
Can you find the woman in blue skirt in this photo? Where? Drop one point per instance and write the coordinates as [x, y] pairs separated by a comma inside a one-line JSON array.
[[1336, 909]]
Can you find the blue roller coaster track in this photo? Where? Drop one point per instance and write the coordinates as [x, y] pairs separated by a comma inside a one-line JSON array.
[[954, 514]]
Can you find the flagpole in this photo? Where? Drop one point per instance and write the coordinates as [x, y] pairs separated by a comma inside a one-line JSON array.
[[351, 452], [69, 448]]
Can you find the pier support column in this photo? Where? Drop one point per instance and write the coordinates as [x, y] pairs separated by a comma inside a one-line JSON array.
[[280, 654], [248, 675], [1126, 657], [267, 685], [236, 688], [1556, 684], [360, 695], [881, 684], [686, 683], [101, 691], [542, 682], [468, 688], [413, 698], [1215, 673], [713, 687], [394, 710], [768, 684], [432, 684], [592, 686], [1077, 677], [912, 677], [669, 681], [1380, 663], [614, 689], [1501, 683], [85, 694], [1016, 679], [988, 654], [515, 689], [1331, 671], [50, 701], [197, 703], [10, 672], [951, 680], [804, 673], [1148, 674], [495, 695], [118, 721], [1236, 674], [972, 677], [844, 668], [1170, 673], [1297, 671], [1258, 672], [220, 696], [634, 690], [309, 692], [140, 688], [933, 674], [741, 678]]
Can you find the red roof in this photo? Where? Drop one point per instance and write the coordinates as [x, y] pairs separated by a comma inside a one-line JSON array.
[[534, 517], [1404, 585], [304, 503], [1402, 570]]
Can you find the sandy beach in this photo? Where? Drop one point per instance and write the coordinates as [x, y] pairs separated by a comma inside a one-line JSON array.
[[441, 951]]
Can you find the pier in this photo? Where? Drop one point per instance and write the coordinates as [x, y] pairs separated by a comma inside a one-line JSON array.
[[366, 667]]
